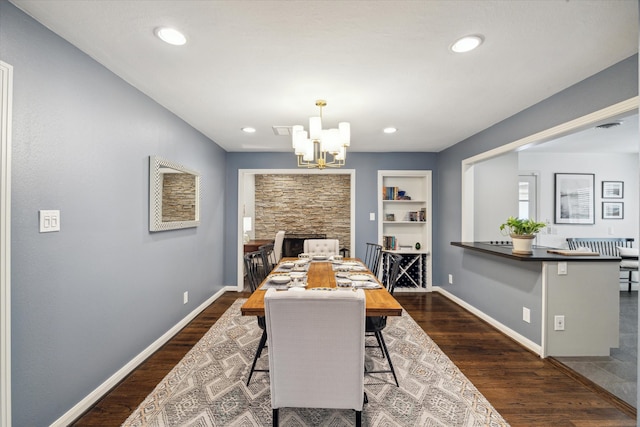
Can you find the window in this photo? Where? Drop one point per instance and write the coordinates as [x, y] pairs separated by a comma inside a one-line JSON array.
[[527, 201]]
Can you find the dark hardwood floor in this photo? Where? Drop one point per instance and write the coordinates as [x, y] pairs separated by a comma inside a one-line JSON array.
[[525, 389]]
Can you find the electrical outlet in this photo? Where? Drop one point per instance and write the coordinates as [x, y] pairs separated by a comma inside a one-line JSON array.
[[558, 323], [562, 268], [526, 314], [185, 297], [451, 279]]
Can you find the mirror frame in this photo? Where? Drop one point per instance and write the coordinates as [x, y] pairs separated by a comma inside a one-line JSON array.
[[155, 196]]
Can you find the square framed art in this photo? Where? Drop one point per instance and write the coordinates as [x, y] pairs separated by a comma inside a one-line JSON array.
[[612, 189], [612, 210]]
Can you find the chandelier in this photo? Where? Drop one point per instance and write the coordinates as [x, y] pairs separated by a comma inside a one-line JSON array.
[[321, 148]]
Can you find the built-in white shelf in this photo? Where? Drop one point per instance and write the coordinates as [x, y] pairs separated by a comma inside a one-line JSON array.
[[411, 223]]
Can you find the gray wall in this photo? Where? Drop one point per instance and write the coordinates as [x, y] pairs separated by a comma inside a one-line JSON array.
[[495, 196], [366, 166], [88, 299], [477, 282]]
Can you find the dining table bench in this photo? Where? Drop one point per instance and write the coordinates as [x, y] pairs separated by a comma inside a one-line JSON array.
[[611, 246]]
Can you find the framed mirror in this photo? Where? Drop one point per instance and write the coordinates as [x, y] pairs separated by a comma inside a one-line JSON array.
[[174, 195]]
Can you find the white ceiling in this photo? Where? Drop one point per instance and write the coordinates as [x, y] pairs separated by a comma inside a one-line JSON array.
[[377, 63]]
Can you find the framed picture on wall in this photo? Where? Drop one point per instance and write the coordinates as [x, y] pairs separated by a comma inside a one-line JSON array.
[[612, 210], [612, 189], [574, 198]]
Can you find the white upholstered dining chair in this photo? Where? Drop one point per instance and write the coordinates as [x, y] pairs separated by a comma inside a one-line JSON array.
[[322, 246], [316, 349], [277, 245]]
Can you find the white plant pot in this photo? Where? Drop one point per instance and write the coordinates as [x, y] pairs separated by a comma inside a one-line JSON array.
[[522, 243]]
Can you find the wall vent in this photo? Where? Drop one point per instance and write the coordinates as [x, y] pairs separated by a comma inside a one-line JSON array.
[[608, 125]]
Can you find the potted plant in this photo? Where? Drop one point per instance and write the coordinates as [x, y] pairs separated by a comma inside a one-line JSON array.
[[522, 232]]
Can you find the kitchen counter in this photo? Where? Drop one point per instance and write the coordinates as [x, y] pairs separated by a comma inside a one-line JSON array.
[[503, 249], [575, 306]]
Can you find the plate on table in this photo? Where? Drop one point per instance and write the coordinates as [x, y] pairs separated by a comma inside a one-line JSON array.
[[301, 261], [319, 257], [297, 274], [343, 282], [361, 277], [297, 284], [280, 279], [287, 265], [358, 268], [350, 263], [365, 285]]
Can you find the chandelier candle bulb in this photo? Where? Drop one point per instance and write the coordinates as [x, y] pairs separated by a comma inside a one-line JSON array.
[[315, 127], [345, 133], [296, 133]]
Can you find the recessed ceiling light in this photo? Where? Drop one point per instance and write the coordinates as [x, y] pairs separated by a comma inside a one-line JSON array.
[[171, 36], [389, 130], [467, 43], [248, 130]]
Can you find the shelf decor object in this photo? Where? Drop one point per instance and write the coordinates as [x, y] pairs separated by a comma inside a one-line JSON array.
[[321, 148]]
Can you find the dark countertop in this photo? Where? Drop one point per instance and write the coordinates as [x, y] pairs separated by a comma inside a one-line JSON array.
[[503, 249]]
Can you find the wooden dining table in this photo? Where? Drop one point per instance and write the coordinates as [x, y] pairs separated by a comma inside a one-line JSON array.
[[379, 302]]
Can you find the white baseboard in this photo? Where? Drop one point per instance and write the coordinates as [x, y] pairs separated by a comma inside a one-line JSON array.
[[86, 403], [522, 340]]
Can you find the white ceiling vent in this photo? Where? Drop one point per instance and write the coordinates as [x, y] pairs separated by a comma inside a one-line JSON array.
[[282, 130]]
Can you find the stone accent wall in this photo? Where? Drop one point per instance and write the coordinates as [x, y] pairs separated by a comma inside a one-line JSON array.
[[178, 197], [301, 204]]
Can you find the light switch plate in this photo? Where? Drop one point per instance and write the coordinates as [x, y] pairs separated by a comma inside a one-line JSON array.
[[372, 216], [49, 221]]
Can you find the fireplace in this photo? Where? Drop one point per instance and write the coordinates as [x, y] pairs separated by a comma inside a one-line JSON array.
[[293, 244]]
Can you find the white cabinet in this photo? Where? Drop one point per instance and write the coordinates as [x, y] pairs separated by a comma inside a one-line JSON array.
[[404, 223]]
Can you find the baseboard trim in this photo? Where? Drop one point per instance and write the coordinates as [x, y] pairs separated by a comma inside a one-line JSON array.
[[81, 407], [520, 339]]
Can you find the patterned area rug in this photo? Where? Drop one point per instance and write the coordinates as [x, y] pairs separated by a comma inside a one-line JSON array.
[[207, 387]]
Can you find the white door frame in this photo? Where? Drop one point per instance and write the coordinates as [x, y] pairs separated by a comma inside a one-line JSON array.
[[6, 85], [242, 173]]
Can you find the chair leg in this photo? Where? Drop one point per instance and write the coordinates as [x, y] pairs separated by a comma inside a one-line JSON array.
[[386, 354], [630, 273], [358, 418], [263, 342], [275, 417]]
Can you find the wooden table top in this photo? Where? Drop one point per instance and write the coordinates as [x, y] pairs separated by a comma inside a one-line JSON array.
[[379, 302], [254, 245]]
